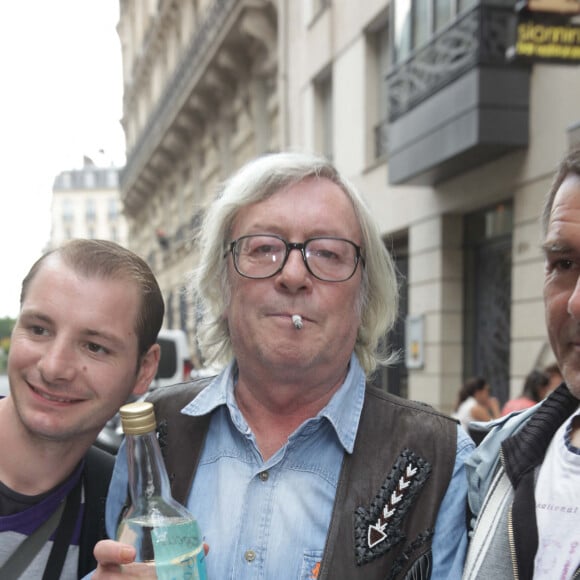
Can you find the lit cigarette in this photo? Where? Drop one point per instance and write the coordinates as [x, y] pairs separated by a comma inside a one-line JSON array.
[[297, 321]]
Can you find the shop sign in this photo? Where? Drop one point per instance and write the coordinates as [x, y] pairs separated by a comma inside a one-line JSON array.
[[545, 38]]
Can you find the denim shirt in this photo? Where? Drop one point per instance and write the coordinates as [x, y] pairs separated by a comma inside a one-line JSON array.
[[269, 519]]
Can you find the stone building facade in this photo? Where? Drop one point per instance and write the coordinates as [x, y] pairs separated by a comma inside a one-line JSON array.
[[86, 204], [452, 142]]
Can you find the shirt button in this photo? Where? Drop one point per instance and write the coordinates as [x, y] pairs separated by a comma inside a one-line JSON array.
[[264, 475], [250, 555]]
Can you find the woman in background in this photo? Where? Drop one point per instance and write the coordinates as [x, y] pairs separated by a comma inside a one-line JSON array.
[[475, 403], [536, 388]]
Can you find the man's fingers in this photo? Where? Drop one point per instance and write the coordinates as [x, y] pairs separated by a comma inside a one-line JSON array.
[[109, 552], [116, 560]]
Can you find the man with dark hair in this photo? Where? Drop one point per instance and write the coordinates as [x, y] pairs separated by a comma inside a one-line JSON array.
[[525, 476], [83, 342]]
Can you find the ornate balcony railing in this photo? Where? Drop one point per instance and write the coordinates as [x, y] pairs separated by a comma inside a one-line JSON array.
[[479, 36]]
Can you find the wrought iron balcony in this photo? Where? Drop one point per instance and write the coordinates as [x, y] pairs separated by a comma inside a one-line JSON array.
[[458, 102], [478, 37]]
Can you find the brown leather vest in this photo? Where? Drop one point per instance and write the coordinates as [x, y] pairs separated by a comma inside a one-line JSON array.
[[389, 490]]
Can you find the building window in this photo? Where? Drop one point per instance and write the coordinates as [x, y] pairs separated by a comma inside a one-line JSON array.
[[113, 209], [89, 179], [65, 180], [323, 114], [90, 210], [416, 21], [402, 24], [112, 178], [421, 23], [378, 54], [443, 14]]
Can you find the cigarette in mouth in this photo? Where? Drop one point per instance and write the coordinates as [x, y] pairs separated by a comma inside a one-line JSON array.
[[297, 321]]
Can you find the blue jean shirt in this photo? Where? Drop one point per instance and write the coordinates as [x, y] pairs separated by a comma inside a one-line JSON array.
[[269, 519]]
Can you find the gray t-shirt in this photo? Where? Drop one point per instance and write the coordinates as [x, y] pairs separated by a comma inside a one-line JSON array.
[[22, 515]]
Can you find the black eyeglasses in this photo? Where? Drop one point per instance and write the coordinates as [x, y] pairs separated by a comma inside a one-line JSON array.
[[328, 259]]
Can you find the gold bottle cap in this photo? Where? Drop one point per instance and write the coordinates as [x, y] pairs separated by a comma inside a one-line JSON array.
[[138, 418]]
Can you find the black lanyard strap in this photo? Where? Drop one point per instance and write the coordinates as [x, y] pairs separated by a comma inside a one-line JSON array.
[[64, 533], [27, 550]]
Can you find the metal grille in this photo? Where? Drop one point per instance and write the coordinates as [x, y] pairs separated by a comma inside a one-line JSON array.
[[492, 308], [477, 37]]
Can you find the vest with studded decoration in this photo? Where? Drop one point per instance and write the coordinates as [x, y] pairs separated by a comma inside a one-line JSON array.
[[389, 491]]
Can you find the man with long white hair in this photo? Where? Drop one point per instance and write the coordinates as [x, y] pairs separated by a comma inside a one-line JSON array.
[[294, 466]]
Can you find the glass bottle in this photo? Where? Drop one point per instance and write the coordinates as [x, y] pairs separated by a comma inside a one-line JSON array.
[[166, 536]]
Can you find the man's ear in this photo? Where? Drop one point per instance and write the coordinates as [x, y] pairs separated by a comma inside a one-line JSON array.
[[147, 369]]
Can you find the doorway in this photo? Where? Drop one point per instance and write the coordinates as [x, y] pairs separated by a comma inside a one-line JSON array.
[[487, 300]]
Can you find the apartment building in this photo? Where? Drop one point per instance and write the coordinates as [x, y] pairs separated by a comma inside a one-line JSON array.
[[86, 204], [434, 109]]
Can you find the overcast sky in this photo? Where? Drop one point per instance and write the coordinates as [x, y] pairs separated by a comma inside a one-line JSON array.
[[60, 99]]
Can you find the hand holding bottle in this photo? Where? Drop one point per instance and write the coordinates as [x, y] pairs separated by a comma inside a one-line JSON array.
[[117, 560], [165, 536]]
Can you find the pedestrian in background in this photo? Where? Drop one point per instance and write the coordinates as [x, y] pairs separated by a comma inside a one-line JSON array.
[[84, 340], [475, 403], [536, 387], [294, 466]]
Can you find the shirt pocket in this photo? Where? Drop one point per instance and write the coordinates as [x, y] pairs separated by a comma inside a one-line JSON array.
[[311, 565]]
